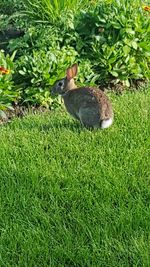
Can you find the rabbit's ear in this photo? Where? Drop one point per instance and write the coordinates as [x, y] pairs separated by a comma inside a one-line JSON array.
[[72, 72]]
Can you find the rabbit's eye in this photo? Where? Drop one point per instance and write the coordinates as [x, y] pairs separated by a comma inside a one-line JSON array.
[[60, 83]]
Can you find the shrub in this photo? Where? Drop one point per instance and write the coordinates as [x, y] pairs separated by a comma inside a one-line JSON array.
[[10, 6], [40, 70], [116, 38], [35, 38], [86, 75]]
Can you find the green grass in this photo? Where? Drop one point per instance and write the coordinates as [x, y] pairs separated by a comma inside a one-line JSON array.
[[73, 197]]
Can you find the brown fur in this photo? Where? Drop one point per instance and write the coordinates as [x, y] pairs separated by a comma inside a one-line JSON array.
[[87, 104], [71, 85], [88, 97]]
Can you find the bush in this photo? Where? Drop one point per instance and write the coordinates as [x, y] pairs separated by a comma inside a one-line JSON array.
[[40, 70], [10, 6], [116, 38], [43, 55], [36, 38]]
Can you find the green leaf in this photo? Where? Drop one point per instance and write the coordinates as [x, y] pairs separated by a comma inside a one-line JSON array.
[[134, 45], [13, 55], [130, 31], [126, 49], [21, 72], [114, 73]]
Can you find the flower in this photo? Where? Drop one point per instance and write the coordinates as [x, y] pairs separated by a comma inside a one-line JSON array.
[[6, 71], [146, 8], [3, 70]]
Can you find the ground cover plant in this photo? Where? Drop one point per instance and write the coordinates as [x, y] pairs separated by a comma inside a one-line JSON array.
[[72, 197]]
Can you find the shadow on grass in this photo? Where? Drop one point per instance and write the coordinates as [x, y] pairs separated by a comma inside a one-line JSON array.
[[73, 126], [45, 124]]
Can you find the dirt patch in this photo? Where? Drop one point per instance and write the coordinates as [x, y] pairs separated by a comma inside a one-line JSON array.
[[120, 88], [20, 111]]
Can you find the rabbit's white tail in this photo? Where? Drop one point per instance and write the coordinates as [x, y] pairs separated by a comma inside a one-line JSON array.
[[106, 123]]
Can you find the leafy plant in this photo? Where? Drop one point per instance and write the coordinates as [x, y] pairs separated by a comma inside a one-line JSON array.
[[116, 38], [86, 75], [4, 20], [7, 92], [36, 38], [39, 71], [51, 11], [10, 6]]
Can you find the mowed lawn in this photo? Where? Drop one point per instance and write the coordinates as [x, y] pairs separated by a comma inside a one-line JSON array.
[[74, 197]]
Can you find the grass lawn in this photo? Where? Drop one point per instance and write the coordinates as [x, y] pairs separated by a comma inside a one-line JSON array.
[[73, 197]]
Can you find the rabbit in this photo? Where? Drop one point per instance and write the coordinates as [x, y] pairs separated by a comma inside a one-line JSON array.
[[87, 104]]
